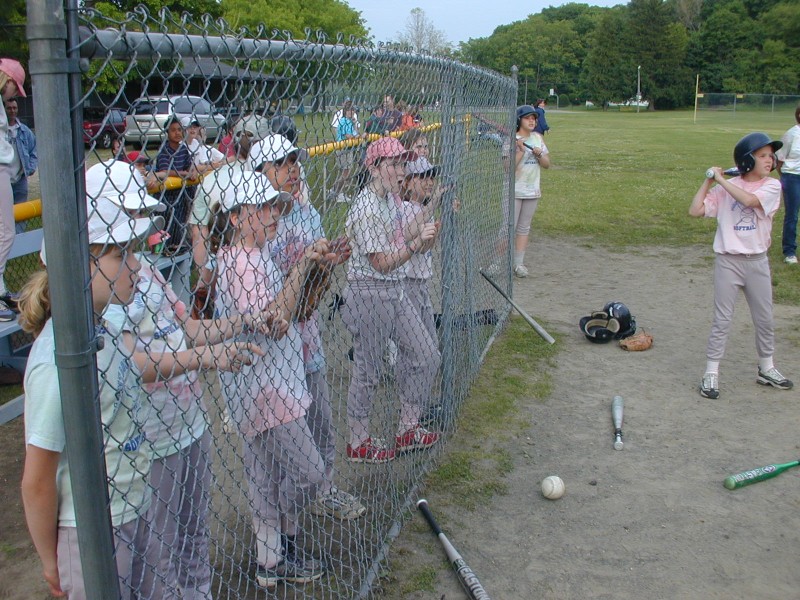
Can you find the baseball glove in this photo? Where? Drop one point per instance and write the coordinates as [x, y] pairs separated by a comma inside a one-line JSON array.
[[317, 282], [639, 341]]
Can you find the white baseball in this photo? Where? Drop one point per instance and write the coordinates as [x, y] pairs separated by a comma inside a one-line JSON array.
[[553, 487]]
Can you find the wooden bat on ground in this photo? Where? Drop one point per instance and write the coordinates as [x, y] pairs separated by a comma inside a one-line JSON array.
[[617, 406], [536, 327], [734, 482], [465, 575]]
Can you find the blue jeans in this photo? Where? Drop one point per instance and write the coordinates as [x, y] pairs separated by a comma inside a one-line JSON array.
[[791, 200], [20, 195]]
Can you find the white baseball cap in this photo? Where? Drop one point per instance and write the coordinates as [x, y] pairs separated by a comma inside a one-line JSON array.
[[274, 147], [122, 184], [255, 125], [110, 225], [252, 188], [189, 121]]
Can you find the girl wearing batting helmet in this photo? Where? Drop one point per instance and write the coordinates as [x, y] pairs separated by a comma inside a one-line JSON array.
[[531, 157], [744, 207]]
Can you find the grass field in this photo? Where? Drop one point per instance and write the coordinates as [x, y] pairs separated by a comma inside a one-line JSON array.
[[625, 179]]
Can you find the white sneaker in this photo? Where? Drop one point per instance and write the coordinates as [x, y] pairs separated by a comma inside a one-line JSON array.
[[790, 260], [521, 271]]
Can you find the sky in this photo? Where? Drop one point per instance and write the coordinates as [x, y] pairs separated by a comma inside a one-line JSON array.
[[459, 20]]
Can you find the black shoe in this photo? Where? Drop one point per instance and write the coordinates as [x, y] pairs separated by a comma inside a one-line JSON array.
[[433, 418], [11, 299]]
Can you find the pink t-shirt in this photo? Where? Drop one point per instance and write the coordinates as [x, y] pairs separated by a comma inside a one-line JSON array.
[[272, 391], [743, 230]]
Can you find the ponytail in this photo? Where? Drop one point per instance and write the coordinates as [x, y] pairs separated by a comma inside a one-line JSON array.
[[220, 231], [34, 303]]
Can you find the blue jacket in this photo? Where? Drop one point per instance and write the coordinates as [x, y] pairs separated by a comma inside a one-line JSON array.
[[541, 122], [25, 144]]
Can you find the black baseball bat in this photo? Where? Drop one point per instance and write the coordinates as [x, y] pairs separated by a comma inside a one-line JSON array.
[[469, 581], [538, 328]]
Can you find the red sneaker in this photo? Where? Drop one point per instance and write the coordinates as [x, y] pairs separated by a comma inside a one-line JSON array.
[[370, 451], [416, 438]]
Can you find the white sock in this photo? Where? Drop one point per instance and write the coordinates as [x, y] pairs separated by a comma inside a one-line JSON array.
[[519, 257], [712, 366], [765, 364]]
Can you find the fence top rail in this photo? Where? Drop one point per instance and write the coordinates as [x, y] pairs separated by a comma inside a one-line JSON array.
[[97, 43]]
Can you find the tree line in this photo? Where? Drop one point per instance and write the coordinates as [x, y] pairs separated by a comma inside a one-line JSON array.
[[592, 53]]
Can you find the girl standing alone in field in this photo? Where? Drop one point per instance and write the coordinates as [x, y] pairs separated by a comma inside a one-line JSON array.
[[532, 156]]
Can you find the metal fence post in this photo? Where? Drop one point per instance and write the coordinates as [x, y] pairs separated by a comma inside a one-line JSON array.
[[64, 216], [512, 160]]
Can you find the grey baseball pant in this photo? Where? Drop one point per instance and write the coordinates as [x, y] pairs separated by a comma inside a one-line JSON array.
[[420, 296], [177, 520], [524, 209], [375, 311], [320, 422], [134, 557], [282, 466], [751, 274]]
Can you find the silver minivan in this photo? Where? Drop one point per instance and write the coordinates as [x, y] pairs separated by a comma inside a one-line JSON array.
[[148, 116]]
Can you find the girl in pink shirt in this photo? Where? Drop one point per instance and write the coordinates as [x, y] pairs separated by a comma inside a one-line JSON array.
[[744, 208]]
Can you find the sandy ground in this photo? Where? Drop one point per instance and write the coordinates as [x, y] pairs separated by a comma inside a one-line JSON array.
[[652, 521]]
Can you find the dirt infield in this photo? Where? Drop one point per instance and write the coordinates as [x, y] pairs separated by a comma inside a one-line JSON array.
[[652, 521]]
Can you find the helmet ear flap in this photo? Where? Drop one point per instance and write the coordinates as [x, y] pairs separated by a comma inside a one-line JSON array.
[[746, 164]]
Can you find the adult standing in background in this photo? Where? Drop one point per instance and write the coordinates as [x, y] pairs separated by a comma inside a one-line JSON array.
[[25, 160], [788, 167], [12, 76], [541, 122]]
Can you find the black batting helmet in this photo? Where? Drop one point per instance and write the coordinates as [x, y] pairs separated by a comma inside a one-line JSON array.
[[743, 151], [524, 111], [283, 125]]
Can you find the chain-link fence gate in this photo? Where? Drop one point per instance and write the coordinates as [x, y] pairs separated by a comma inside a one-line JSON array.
[[255, 437]]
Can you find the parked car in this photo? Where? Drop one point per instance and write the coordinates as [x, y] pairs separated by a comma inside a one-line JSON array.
[[101, 126], [148, 116]]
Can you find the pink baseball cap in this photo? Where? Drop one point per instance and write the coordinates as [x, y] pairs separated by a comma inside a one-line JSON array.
[[13, 69], [387, 147]]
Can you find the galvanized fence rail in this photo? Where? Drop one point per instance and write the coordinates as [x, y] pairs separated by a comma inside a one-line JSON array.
[[269, 475]]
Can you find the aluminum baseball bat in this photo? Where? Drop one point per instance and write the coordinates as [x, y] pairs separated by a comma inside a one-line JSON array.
[[617, 407], [537, 328], [732, 172], [734, 482], [469, 581]]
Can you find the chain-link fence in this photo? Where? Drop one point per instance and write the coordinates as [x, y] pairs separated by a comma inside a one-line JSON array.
[[781, 104], [309, 313]]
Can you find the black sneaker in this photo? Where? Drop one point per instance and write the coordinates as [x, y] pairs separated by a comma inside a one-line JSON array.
[[6, 314], [774, 378], [291, 570], [10, 299]]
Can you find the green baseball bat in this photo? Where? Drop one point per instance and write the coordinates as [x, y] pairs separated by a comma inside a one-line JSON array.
[[734, 482]]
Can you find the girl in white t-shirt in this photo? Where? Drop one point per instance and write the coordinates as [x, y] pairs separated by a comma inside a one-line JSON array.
[[46, 486], [268, 401], [532, 156]]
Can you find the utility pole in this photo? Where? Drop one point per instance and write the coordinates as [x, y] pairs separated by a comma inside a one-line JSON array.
[[638, 87]]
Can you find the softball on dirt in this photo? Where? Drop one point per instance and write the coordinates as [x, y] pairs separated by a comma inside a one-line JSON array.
[[553, 487]]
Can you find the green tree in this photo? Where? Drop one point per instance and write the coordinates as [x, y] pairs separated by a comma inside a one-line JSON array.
[[607, 71], [329, 16]]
